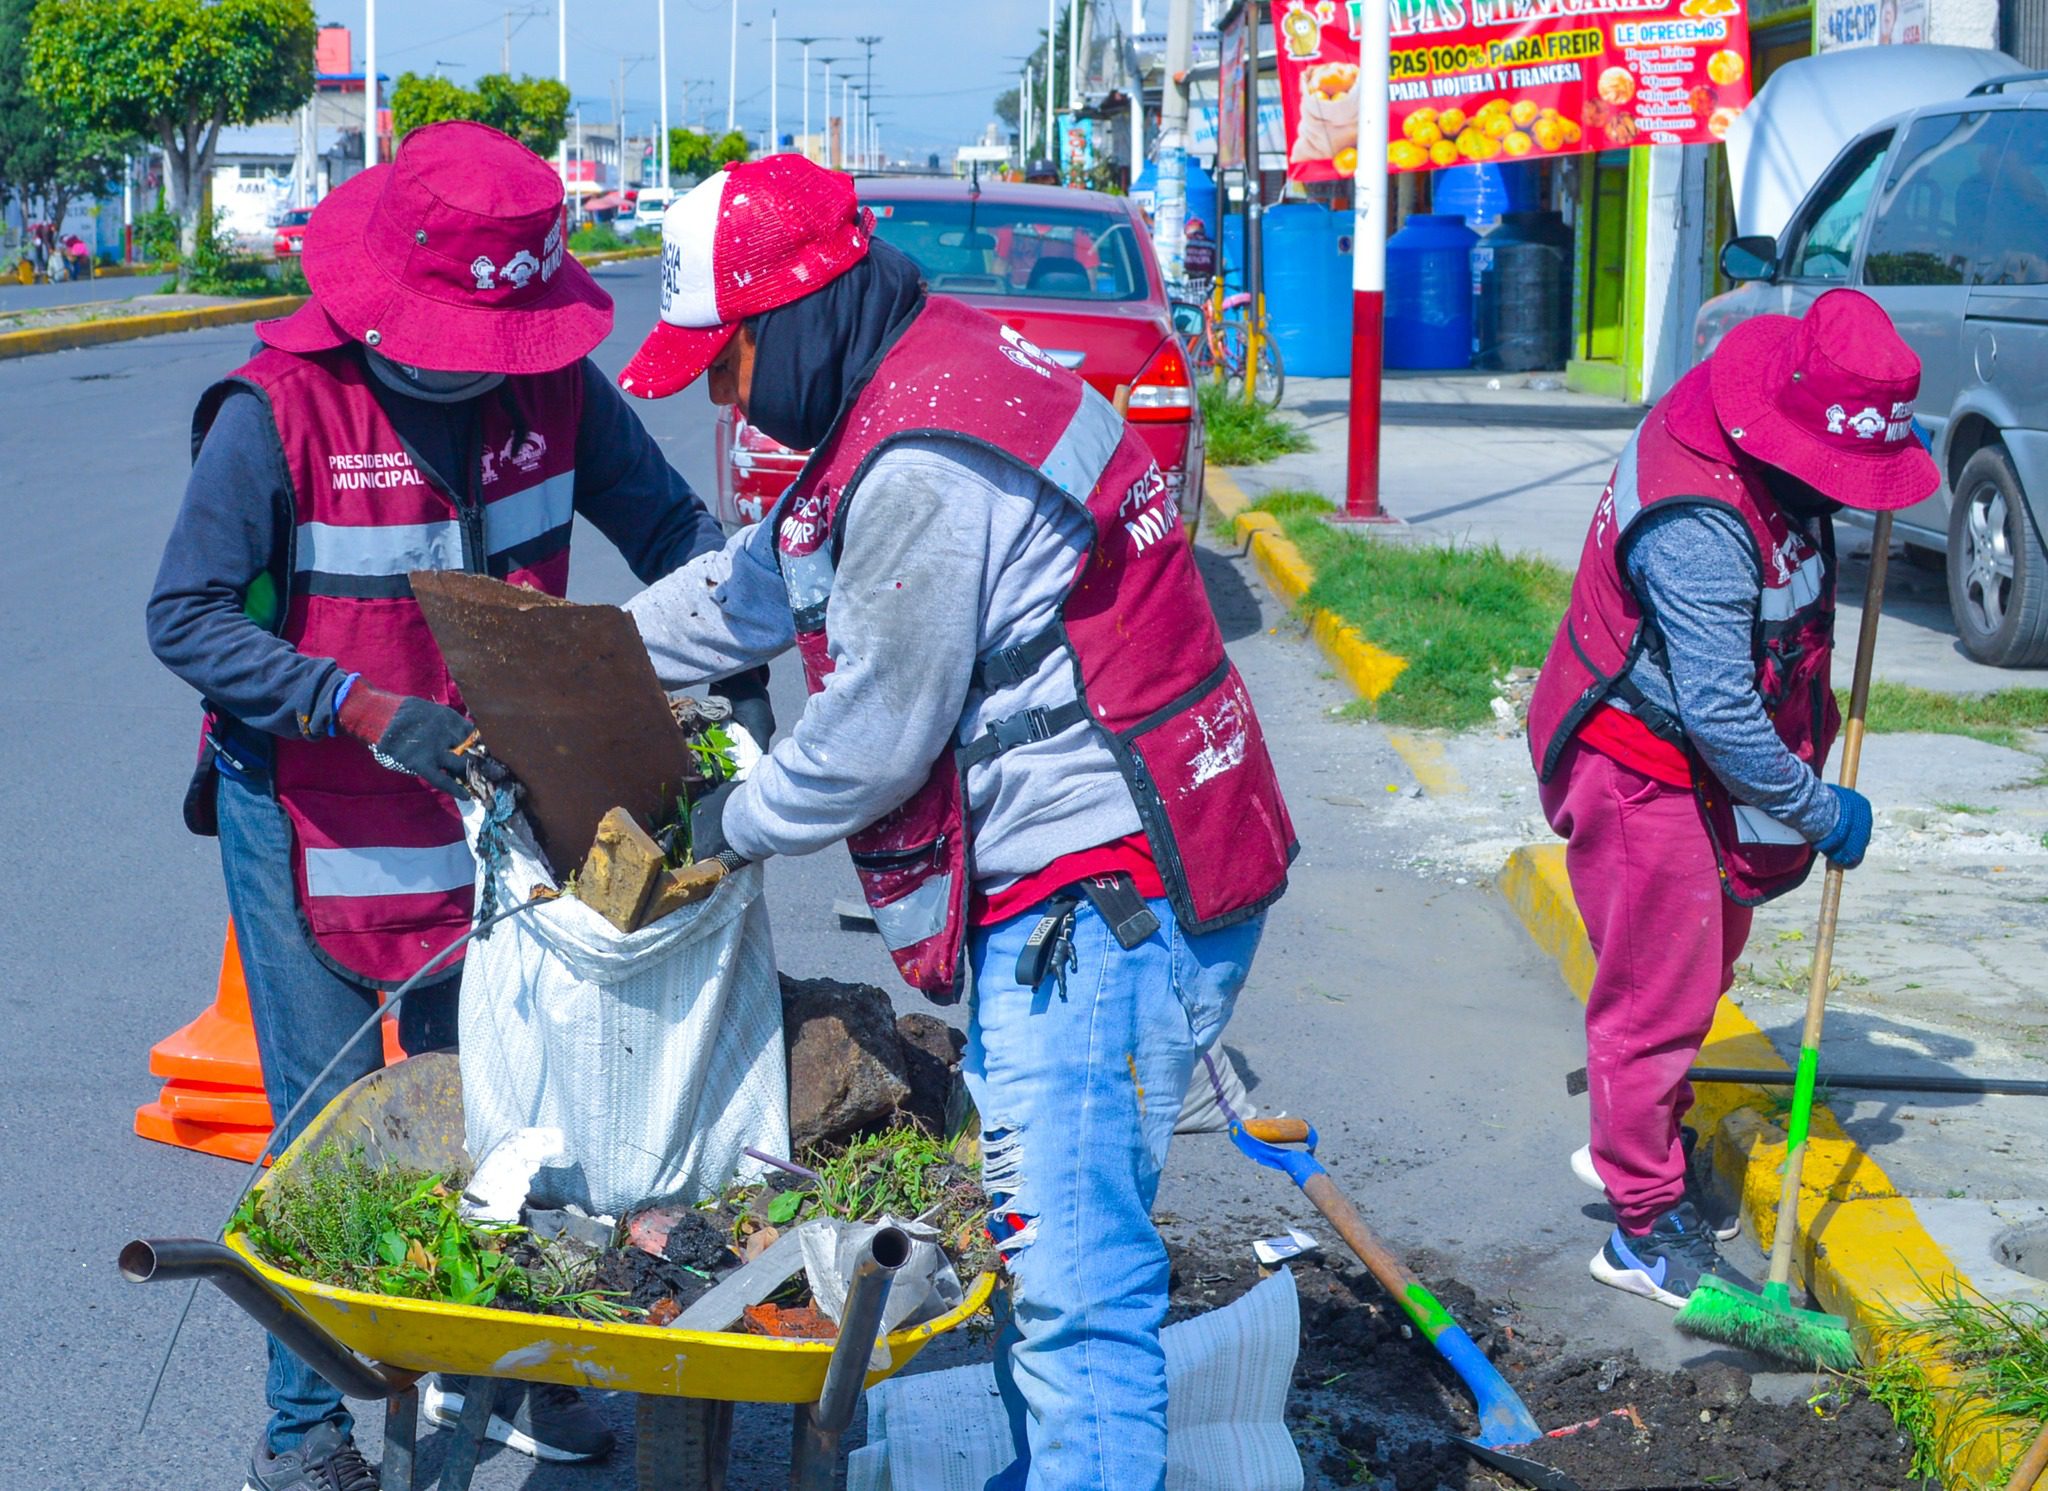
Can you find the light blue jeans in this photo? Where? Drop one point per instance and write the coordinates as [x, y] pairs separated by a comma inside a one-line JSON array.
[[1078, 1083]]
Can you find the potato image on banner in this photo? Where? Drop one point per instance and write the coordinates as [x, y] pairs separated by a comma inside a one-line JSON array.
[[1725, 67], [1517, 143], [1329, 112], [1443, 153], [1618, 86], [1451, 122], [1406, 155], [1719, 121], [1523, 113]]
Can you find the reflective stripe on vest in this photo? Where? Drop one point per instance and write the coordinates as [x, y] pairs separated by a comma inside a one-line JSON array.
[[390, 870]]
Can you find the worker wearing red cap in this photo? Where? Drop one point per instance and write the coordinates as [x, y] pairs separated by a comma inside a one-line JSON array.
[[432, 407], [1685, 712], [1022, 722]]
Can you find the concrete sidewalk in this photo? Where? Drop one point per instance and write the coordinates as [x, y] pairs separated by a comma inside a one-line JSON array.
[[1522, 466]]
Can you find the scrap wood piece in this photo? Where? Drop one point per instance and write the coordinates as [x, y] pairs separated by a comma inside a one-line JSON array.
[[566, 697], [681, 887]]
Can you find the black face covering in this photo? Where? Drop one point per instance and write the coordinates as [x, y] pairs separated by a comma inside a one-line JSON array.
[[1798, 498], [811, 355]]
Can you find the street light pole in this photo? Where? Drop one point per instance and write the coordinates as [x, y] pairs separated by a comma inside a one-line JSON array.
[[1170, 212], [562, 77], [1368, 272], [370, 83], [826, 123], [732, 69], [1051, 113]]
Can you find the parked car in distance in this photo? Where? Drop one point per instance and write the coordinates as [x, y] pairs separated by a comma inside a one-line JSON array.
[[1940, 214], [291, 233], [1071, 272], [648, 207]]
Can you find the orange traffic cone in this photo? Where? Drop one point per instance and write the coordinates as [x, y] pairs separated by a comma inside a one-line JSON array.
[[213, 1101]]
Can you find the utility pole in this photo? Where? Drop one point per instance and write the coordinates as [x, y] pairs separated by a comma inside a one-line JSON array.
[[369, 83], [661, 51], [505, 57], [1368, 272], [562, 77], [732, 70], [832, 155], [1051, 109], [774, 73], [1075, 14], [1024, 119], [1170, 212]]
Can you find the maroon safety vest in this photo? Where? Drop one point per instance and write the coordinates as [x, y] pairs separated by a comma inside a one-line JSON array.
[[1148, 659], [1678, 455], [384, 877]]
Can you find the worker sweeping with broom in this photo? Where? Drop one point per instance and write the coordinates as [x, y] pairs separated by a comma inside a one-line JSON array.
[[1685, 711]]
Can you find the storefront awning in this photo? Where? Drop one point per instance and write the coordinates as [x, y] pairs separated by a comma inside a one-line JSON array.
[[606, 203]]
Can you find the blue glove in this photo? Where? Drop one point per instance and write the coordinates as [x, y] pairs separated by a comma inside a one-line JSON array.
[[1850, 837]]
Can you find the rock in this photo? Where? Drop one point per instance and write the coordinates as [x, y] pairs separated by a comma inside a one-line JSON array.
[[620, 872], [1721, 1384], [931, 1063], [845, 1062]]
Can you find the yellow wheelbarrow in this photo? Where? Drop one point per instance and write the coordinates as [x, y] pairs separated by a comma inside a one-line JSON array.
[[374, 1346]]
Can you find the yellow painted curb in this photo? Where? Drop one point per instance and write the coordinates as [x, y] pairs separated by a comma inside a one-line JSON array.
[[1861, 1247], [155, 323], [1369, 670]]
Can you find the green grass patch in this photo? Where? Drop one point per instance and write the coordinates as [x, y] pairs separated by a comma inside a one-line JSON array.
[[1461, 616], [2000, 718], [1999, 1348], [1242, 434]]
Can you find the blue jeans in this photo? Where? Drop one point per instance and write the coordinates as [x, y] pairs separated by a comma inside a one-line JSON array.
[[303, 1012], [1079, 1082]]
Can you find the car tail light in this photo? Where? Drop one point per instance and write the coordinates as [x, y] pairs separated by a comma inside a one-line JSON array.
[[1163, 391]]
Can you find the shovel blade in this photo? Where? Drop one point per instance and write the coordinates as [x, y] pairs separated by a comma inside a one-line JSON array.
[[1523, 1469]]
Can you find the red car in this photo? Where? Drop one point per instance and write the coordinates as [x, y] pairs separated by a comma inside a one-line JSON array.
[[291, 233], [1072, 272]]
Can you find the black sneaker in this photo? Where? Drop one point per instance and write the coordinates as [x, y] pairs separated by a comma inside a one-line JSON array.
[[327, 1460], [1724, 1225], [1664, 1264], [541, 1419]]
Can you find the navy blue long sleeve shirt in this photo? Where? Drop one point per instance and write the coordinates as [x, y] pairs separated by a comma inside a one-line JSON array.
[[207, 616]]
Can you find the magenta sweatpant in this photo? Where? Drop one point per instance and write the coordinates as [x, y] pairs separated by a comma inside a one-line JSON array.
[[1665, 940]]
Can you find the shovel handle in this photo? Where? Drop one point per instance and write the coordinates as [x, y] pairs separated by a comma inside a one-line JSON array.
[[1277, 1130], [2028, 1471], [1409, 1292]]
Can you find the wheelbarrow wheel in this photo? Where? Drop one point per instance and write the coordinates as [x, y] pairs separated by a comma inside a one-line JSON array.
[[684, 1444]]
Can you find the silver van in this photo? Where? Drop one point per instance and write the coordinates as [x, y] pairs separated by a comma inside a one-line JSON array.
[[1940, 214]]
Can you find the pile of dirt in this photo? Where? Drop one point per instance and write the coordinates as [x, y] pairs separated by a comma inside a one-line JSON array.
[[1373, 1405]]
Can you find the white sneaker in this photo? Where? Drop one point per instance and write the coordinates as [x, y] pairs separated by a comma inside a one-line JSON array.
[[1724, 1229], [1582, 1167]]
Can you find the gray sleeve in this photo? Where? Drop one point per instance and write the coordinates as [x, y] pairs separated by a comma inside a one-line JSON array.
[[904, 621], [1692, 569], [721, 613]]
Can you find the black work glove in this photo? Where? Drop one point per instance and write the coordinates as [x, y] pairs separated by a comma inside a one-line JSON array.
[[747, 693], [412, 735], [707, 828]]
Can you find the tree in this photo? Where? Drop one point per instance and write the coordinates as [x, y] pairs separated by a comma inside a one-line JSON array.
[[533, 111], [693, 152], [176, 71]]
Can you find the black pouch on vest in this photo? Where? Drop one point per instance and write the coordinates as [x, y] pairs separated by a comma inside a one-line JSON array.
[[1116, 899], [202, 799]]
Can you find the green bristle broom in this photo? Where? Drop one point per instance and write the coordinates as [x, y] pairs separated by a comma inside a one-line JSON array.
[[1769, 1322]]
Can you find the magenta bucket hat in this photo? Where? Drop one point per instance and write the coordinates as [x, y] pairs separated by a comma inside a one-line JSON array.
[[452, 257], [1827, 396]]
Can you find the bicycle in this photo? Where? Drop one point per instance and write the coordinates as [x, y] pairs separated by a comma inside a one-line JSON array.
[[1218, 346]]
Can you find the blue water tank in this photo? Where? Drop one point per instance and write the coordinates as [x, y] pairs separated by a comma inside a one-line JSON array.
[[1201, 194], [1307, 268], [1480, 193], [1429, 293]]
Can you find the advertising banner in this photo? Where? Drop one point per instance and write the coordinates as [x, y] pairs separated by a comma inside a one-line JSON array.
[[1230, 90], [1497, 80], [1870, 23]]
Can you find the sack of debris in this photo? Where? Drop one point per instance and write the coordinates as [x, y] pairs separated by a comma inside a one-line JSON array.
[[657, 1053]]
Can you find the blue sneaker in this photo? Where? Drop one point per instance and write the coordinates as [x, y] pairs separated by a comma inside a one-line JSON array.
[[1664, 1264]]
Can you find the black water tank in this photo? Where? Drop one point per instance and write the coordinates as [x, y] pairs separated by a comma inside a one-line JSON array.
[[1521, 294]]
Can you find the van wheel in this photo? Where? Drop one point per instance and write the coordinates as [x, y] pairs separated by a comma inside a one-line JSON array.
[[1997, 572]]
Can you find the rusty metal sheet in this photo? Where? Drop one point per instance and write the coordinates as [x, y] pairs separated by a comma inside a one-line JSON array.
[[565, 695]]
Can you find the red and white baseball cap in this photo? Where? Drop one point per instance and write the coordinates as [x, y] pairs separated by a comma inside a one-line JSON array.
[[753, 237], [1827, 396]]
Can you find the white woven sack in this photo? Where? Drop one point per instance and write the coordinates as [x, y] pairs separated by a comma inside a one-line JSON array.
[[1226, 1398], [657, 1053]]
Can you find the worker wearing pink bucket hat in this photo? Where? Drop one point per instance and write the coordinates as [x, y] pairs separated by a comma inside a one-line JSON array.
[[1685, 712], [433, 406]]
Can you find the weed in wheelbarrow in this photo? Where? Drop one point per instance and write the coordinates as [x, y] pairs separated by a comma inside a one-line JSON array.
[[1372, 1405]]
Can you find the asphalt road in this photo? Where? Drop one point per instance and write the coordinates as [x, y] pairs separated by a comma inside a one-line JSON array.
[[15, 297], [1410, 1019]]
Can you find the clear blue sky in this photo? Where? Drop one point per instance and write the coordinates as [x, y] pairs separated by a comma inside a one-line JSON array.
[[937, 69]]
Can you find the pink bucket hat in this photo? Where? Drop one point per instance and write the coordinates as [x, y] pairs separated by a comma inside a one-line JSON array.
[[1827, 396], [451, 258], [746, 240]]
